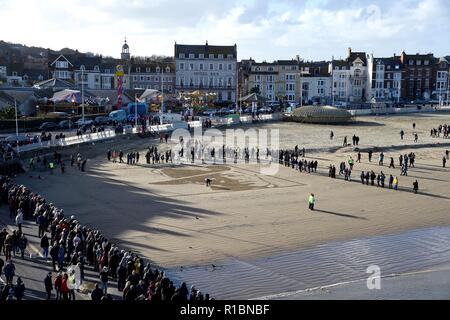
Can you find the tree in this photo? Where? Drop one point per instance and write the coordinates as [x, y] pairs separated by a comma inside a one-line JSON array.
[[9, 113]]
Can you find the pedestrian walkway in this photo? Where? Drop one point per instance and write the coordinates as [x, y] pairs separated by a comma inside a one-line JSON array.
[[34, 267]]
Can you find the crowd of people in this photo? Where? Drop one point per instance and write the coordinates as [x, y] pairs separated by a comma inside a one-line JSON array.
[[72, 247], [443, 129]]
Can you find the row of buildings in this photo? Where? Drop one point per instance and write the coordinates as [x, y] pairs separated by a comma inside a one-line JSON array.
[[357, 79]]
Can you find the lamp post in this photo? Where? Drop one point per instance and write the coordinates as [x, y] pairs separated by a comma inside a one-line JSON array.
[[448, 87], [82, 93], [17, 125]]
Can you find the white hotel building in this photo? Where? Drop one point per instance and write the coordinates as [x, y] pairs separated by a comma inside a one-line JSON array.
[[207, 68]]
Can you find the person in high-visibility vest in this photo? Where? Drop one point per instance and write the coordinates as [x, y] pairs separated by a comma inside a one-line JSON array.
[[311, 201], [51, 166], [395, 183]]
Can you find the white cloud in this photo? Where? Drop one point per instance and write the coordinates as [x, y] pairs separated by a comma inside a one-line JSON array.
[[262, 29]]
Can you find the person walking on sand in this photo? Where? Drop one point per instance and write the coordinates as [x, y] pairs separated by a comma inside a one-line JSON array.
[[311, 201], [444, 161], [345, 141], [391, 165], [391, 181], [402, 133], [381, 159], [416, 186], [416, 137], [331, 135], [396, 183]]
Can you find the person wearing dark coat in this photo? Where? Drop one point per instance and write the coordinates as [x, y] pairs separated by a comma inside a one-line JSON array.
[[122, 276], [54, 254], [97, 293], [45, 245], [19, 289], [48, 283]]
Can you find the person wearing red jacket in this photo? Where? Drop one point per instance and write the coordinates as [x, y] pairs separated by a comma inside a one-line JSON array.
[[65, 287], [58, 285]]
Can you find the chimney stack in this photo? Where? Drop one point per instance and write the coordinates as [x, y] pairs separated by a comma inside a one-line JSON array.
[[349, 51]]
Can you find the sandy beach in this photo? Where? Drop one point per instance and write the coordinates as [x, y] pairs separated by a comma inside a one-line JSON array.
[[168, 215]]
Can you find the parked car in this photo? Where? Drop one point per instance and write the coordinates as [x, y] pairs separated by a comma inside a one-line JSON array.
[[48, 126], [58, 114], [82, 122], [66, 124], [265, 110], [132, 118], [102, 120], [118, 116]]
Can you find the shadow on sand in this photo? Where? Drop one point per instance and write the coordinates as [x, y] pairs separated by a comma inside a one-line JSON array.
[[340, 214]]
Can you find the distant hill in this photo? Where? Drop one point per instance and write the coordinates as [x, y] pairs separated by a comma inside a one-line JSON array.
[[19, 53]]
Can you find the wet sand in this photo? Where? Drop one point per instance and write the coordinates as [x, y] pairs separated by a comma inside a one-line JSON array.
[[167, 214]]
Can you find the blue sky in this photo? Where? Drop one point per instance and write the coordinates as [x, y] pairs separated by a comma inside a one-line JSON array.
[[262, 29]]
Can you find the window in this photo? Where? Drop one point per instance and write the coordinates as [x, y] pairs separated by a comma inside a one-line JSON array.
[[290, 87], [321, 83], [201, 56], [220, 56], [148, 78], [357, 73], [290, 77], [142, 78], [135, 78], [158, 70], [211, 66], [82, 67], [211, 56], [147, 70], [191, 56], [270, 68], [200, 66], [229, 67], [419, 62], [14, 74], [220, 66], [191, 66], [230, 56], [411, 62], [138, 69], [182, 66], [426, 62], [181, 56], [62, 64], [96, 68], [167, 70], [211, 83]]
